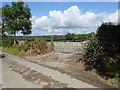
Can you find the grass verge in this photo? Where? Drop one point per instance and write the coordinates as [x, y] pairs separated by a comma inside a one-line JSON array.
[[11, 50]]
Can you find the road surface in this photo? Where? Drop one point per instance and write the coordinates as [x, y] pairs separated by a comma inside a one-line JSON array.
[[19, 73], [0, 72]]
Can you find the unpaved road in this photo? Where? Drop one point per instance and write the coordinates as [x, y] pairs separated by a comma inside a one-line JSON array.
[[69, 47], [19, 73]]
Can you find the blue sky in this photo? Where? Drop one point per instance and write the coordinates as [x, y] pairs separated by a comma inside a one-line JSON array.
[[52, 18], [43, 8]]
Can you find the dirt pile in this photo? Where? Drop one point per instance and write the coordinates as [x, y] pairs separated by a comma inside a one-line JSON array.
[[31, 48]]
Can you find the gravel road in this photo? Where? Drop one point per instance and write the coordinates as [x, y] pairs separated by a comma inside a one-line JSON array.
[[69, 47]]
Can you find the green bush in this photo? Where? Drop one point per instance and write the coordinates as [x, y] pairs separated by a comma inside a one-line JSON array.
[[94, 53], [102, 50]]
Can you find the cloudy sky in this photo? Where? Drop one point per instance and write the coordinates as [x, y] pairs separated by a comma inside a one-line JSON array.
[[59, 18]]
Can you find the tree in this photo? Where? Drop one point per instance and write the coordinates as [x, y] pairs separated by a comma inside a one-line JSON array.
[[16, 18], [69, 36]]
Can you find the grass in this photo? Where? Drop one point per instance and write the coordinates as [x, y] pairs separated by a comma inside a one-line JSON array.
[[11, 50]]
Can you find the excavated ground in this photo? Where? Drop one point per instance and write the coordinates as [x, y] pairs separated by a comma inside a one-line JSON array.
[[66, 58]]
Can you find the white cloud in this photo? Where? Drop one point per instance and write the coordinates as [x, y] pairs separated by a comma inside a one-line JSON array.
[[112, 17], [70, 20]]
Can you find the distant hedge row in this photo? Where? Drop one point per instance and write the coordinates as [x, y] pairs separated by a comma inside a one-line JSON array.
[[67, 37]]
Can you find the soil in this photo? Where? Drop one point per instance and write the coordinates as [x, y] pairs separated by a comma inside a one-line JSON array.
[[73, 68], [67, 58]]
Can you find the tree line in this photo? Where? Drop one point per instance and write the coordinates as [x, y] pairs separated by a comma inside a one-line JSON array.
[[66, 37]]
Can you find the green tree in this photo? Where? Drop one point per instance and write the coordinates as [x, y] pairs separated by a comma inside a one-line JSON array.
[[16, 18], [69, 36]]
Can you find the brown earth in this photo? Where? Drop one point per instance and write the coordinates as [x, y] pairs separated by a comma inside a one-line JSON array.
[[33, 51], [67, 58], [75, 69]]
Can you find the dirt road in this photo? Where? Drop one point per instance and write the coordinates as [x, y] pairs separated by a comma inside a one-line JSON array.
[[19, 73]]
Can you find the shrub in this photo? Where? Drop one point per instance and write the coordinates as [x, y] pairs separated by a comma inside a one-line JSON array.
[[35, 47], [94, 53], [102, 50]]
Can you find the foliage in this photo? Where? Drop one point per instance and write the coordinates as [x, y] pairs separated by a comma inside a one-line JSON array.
[[69, 36], [102, 50], [109, 35], [75, 37], [36, 45], [7, 41], [78, 37], [94, 52], [14, 50], [16, 18], [27, 48]]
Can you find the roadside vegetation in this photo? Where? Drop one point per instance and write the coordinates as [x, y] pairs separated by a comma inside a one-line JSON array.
[[24, 48], [16, 18], [67, 37], [102, 52]]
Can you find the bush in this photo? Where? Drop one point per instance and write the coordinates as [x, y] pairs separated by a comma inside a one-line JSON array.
[[102, 50], [94, 53], [36, 47]]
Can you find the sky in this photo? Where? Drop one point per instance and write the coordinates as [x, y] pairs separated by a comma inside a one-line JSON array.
[[59, 18]]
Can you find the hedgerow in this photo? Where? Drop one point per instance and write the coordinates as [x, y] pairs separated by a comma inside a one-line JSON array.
[[102, 51]]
